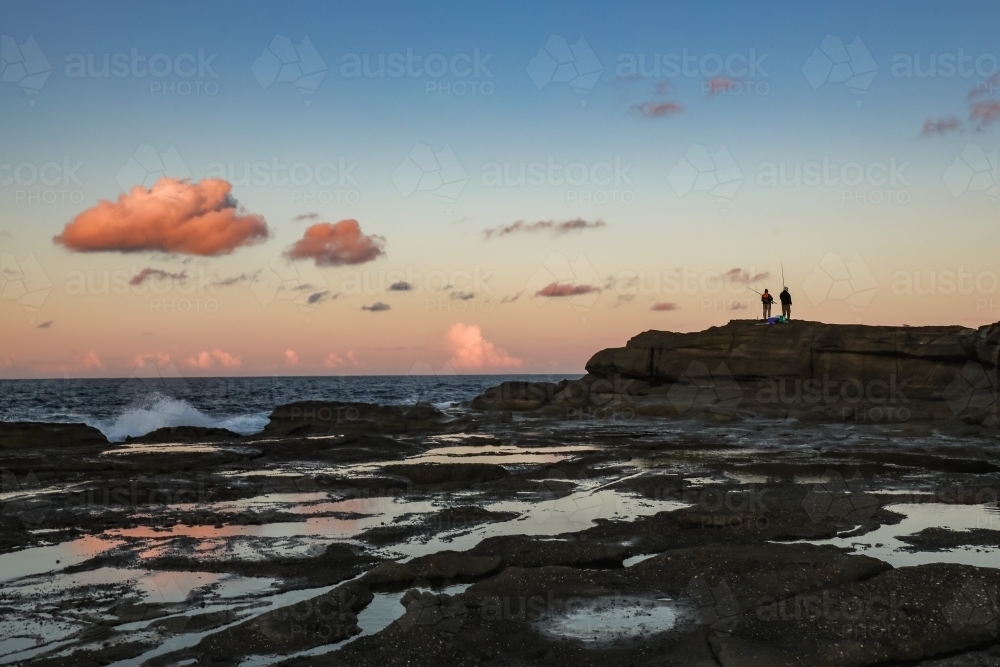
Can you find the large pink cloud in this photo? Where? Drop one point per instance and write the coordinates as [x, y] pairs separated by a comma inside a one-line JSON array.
[[173, 216], [337, 244], [470, 351]]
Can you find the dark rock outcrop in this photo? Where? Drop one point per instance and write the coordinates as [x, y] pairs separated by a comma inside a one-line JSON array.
[[39, 435], [807, 370], [333, 417]]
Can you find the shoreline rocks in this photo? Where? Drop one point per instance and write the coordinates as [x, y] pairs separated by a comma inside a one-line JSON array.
[[805, 370]]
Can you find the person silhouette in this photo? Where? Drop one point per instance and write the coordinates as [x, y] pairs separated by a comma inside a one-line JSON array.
[[766, 300], [786, 303]]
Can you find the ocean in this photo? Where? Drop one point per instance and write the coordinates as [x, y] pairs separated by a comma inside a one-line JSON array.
[[135, 406]]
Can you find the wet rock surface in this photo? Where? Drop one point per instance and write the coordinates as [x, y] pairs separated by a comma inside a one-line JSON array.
[[527, 541]]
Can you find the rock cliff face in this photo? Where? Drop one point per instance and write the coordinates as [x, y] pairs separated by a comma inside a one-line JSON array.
[[806, 370]]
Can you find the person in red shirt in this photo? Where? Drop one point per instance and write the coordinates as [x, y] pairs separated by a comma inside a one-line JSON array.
[[766, 300]]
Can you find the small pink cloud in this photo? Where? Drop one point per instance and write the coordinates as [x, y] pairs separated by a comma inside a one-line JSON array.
[[91, 360], [657, 109], [470, 351], [664, 305], [565, 289], [987, 87], [719, 84], [291, 358], [985, 112], [944, 125], [333, 360], [511, 299], [208, 360], [337, 244]]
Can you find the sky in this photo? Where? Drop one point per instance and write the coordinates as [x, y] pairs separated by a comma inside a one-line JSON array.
[[309, 188]]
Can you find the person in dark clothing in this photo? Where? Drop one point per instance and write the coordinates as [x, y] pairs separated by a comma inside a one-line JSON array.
[[786, 303], [766, 300]]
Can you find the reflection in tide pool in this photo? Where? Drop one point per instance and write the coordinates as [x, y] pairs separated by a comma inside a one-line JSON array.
[[884, 543]]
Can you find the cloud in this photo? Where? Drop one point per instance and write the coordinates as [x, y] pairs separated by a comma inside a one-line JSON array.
[[336, 244], [208, 360], [719, 84], [376, 307], [44, 325], [577, 224], [657, 109], [141, 277], [291, 358], [173, 216], [470, 351], [333, 360], [511, 299], [737, 305], [462, 296], [987, 87], [941, 125], [740, 276], [91, 360], [305, 216], [317, 297], [243, 277], [664, 305], [401, 286], [354, 360], [985, 112], [565, 289]]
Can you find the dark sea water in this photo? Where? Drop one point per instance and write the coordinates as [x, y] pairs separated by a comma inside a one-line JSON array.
[[135, 406]]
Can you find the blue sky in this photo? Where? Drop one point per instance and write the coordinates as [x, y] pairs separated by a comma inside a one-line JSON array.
[[230, 114]]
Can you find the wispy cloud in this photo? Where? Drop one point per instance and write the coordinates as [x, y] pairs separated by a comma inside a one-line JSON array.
[[44, 325], [944, 125], [376, 307], [401, 286], [664, 305], [658, 109], [305, 216], [557, 228], [511, 299], [145, 274], [742, 277]]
